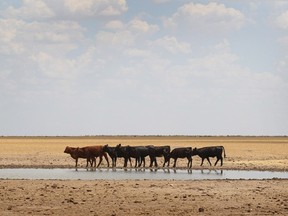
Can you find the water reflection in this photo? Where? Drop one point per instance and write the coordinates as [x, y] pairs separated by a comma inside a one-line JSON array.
[[137, 173], [165, 170], [208, 172]]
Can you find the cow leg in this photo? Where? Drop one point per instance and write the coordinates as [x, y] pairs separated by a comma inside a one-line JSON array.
[[113, 161], [165, 161], [209, 161], [106, 158], [136, 160], [140, 161], [101, 158], [216, 161], [155, 162], [189, 165], [129, 161], [143, 159], [175, 160], [202, 161], [168, 162], [76, 162], [125, 162], [151, 161], [219, 158]]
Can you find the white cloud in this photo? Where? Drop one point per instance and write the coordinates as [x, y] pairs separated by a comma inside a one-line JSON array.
[[96, 7], [114, 25], [124, 34], [120, 38], [71, 9], [210, 17], [31, 9], [172, 45], [134, 52], [20, 37], [141, 26], [9, 31], [54, 67], [282, 20]]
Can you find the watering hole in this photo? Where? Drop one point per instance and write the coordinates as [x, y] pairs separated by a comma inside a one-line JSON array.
[[135, 173]]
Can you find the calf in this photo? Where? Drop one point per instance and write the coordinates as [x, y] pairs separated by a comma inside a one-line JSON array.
[[76, 153], [211, 151], [184, 152]]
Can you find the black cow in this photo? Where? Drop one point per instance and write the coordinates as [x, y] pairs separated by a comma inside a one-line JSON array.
[[183, 152], [161, 151], [145, 151], [211, 151], [132, 152], [112, 153], [122, 151]]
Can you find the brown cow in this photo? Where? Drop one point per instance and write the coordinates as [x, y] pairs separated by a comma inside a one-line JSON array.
[[76, 153], [88, 152]]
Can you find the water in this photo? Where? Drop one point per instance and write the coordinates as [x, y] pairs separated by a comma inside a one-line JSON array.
[[132, 173]]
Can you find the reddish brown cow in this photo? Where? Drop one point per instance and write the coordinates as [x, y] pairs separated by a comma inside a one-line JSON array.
[[76, 153], [88, 152]]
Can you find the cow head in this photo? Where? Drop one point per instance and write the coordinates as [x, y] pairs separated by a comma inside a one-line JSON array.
[[195, 151], [67, 150], [105, 147]]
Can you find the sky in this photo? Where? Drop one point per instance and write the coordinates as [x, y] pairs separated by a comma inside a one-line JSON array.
[[143, 67]]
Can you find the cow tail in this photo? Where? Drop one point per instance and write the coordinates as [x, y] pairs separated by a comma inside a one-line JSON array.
[[224, 151]]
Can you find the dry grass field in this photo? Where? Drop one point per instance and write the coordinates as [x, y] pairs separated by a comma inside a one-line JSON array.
[[262, 153], [145, 197]]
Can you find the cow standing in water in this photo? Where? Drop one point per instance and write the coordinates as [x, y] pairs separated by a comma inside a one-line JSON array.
[[211, 151], [88, 152]]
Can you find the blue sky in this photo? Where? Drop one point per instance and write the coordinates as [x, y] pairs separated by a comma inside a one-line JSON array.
[[157, 67]]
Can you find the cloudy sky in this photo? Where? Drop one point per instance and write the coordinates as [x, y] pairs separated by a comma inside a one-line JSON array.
[[146, 67]]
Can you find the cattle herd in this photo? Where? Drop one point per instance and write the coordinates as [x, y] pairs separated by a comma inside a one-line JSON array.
[[139, 153]]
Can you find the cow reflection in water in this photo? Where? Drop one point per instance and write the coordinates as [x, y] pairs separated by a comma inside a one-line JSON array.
[[217, 172]]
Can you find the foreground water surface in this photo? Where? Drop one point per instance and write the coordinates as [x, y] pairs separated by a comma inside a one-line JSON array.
[[132, 173]]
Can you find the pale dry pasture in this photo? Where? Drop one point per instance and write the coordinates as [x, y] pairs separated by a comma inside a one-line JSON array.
[[262, 153]]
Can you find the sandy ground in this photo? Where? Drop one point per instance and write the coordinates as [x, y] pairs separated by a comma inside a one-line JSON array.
[[145, 197]]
